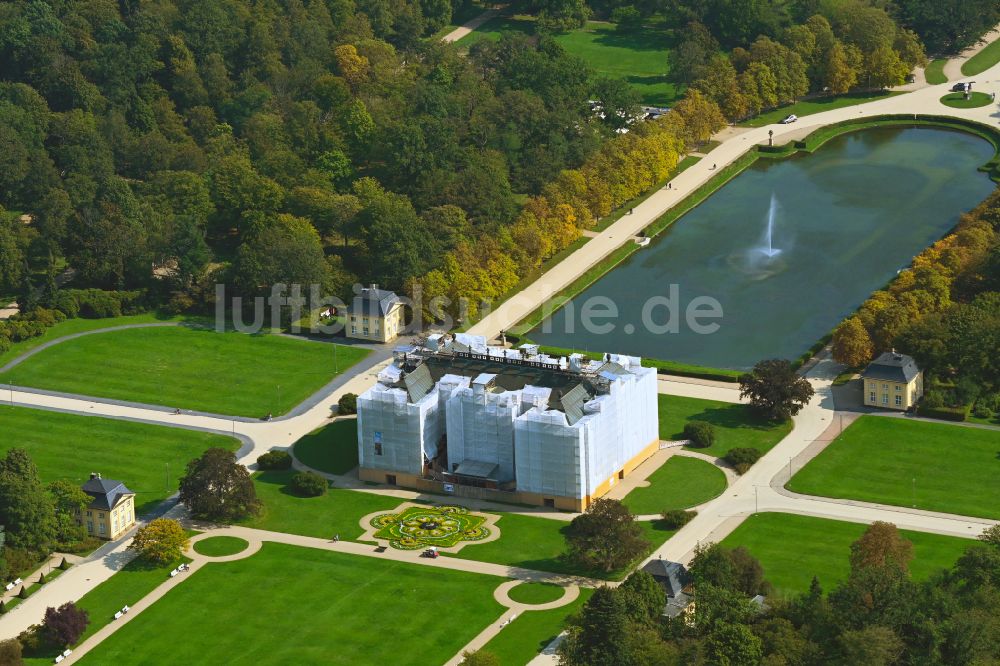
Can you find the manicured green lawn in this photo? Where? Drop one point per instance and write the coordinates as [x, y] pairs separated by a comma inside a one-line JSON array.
[[291, 605], [148, 458], [735, 425], [810, 106], [678, 484], [332, 448], [540, 543], [189, 368], [536, 593], [983, 60], [934, 72], [934, 466], [134, 581], [71, 326], [957, 100], [532, 631], [792, 549], [337, 512], [220, 546], [640, 55]]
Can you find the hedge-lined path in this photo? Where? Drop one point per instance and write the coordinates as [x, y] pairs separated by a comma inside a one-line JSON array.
[[50, 565], [255, 539]]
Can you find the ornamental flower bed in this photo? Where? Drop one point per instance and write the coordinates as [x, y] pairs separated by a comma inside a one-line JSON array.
[[419, 527]]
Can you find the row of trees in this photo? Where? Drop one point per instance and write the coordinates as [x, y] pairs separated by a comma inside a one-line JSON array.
[[878, 616], [944, 309], [860, 48], [486, 266]]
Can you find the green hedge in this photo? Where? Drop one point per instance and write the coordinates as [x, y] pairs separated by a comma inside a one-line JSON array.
[[945, 413]]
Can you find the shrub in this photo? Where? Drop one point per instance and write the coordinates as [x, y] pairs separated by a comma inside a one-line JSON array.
[[32, 639], [675, 519], [10, 652], [991, 401], [348, 404], [933, 399], [275, 460], [626, 17], [701, 433], [742, 458], [981, 411], [308, 484]]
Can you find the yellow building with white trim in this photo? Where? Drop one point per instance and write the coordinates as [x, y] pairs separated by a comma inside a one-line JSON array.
[[893, 381]]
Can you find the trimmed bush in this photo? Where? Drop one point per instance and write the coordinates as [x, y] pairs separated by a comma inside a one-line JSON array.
[[982, 412], [944, 413], [348, 404], [677, 518], [275, 460], [308, 484], [701, 433], [742, 458]]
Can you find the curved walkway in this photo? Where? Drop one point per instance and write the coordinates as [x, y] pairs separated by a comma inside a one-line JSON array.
[[73, 336], [256, 538], [953, 67]]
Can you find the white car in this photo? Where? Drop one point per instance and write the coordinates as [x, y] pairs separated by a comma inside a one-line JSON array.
[[789, 119]]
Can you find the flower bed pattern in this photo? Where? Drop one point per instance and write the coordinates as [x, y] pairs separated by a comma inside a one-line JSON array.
[[417, 527]]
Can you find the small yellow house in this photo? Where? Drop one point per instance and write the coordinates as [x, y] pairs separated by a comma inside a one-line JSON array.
[[893, 381], [111, 511], [376, 315]]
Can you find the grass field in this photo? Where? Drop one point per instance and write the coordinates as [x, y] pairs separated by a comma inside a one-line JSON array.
[[134, 581], [808, 107], [792, 549], [678, 484], [735, 425], [306, 606], [148, 458], [934, 72], [540, 543], [337, 512], [197, 369], [71, 326], [957, 100], [220, 546], [535, 593], [332, 448], [932, 466], [983, 60], [528, 635], [641, 55]]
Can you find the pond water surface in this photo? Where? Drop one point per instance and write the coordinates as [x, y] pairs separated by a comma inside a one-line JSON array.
[[843, 222]]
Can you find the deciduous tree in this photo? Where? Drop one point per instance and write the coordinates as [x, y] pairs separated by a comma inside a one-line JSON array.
[[605, 536], [161, 541], [775, 390], [63, 626], [216, 487]]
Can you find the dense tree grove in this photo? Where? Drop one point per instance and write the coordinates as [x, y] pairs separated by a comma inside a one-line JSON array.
[[877, 616], [168, 143], [944, 310]]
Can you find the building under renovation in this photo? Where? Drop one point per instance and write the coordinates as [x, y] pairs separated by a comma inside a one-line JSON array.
[[460, 417]]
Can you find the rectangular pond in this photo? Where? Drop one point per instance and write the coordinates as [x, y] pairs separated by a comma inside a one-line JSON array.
[[842, 222]]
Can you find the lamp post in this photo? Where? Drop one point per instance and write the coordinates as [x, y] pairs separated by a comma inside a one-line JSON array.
[[770, 138]]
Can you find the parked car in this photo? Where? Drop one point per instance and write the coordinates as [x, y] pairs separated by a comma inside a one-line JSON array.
[[789, 119], [959, 87]]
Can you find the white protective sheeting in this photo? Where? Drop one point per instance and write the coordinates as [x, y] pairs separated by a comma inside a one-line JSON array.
[[394, 434], [481, 428], [615, 428]]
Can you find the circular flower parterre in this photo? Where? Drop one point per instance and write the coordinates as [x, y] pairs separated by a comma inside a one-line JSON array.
[[418, 527]]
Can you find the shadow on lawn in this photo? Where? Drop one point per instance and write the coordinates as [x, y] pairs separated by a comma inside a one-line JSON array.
[[735, 417], [644, 38]]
